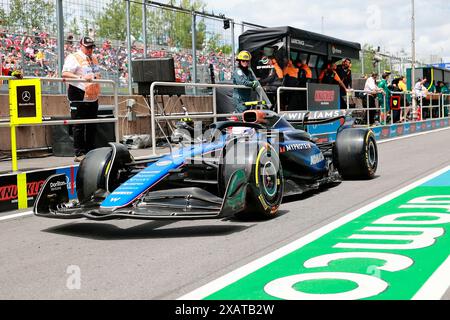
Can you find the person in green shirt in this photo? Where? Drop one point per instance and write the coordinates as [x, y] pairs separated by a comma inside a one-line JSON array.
[[384, 99], [444, 90]]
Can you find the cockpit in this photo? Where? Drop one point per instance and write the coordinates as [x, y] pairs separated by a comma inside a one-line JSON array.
[[267, 119]]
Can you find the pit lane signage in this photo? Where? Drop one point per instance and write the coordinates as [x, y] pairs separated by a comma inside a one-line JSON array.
[[25, 102], [396, 248], [323, 97]]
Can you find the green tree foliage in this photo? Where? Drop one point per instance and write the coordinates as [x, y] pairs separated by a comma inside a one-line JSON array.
[[2, 17], [112, 21], [213, 43], [29, 14], [164, 27], [74, 28]]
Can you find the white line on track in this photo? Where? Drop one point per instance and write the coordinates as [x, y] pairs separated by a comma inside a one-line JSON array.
[[428, 290], [16, 215], [437, 285]]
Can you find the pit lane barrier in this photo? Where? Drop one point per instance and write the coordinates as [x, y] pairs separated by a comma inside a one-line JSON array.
[[14, 186]]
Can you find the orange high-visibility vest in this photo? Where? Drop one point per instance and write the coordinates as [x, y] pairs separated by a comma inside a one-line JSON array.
[[290, 70], [307, 70], [92, 90], [277, 68]]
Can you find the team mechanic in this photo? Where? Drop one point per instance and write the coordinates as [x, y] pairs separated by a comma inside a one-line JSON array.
[[83, 97], [243, 76]]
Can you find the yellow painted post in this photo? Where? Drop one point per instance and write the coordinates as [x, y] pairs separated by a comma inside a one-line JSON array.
[[22, 195], [14, 148]]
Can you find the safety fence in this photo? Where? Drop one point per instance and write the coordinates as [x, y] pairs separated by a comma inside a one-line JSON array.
[[397, 106], [202, 44], [29, 90]]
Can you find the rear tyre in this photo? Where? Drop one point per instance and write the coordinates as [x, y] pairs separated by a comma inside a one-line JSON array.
[[356, 153]]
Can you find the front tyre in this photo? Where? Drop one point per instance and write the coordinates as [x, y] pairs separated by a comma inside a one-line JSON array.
[[356, 153], [265, 191]]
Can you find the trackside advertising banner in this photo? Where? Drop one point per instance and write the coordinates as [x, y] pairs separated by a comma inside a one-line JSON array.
[[9, 190]]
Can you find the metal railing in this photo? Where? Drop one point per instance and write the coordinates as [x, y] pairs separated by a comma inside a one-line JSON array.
[[279, 89], [406, 109], [213, 115], [46, 122], [445, 104], [430, 106]]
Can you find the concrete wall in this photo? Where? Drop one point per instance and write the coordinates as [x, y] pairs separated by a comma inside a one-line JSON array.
[[58, 106]]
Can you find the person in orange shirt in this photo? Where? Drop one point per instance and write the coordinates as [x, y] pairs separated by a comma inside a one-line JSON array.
[[290, 70], [330, 76], [305, 71]]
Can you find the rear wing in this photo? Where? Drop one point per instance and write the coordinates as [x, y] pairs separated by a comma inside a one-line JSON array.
[[316, 117]]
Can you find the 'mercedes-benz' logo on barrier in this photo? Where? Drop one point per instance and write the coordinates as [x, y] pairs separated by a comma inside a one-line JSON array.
[[26, 96], [26, 101]]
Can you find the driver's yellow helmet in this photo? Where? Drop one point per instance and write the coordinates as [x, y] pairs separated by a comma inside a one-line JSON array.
[[244, 56]]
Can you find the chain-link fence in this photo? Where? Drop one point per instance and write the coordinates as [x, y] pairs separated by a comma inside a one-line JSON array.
[[167, 33]]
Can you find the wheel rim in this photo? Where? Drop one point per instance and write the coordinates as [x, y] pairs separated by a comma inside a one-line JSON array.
[[372, 154], [269, 179]]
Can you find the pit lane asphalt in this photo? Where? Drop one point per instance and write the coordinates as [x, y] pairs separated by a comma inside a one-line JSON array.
[[164, 260]]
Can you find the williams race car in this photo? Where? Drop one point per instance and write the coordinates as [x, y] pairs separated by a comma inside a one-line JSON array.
[[240, 167]]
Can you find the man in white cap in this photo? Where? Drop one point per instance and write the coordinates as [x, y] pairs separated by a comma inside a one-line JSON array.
[[83, 97]]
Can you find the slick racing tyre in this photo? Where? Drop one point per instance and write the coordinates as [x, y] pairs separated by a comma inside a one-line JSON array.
[[356, 153], [266, 184], [264, 176], [100, 171], [91, 174]]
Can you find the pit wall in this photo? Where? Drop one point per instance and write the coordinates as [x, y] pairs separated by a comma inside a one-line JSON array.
[[14, 186]]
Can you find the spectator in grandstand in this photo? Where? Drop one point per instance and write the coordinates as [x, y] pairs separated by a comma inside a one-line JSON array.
[[40, 57], [370, 91], [83, 97], [8, 68], [345, 73], [244, 77]]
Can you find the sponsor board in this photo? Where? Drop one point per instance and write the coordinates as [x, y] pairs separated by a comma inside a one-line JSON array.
[[33, 182]]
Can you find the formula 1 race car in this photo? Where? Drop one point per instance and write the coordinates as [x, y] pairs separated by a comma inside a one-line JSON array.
[[240, 167]]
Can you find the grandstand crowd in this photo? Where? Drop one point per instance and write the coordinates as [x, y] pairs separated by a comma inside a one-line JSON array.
[[36, 54]]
